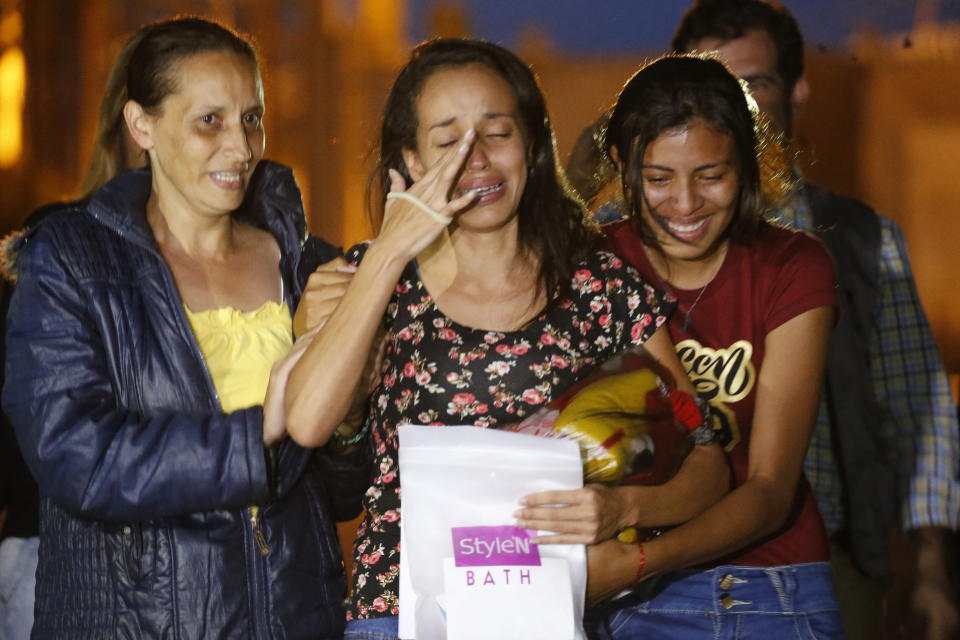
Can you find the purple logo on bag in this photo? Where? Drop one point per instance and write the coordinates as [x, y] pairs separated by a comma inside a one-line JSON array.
[[493, 546]]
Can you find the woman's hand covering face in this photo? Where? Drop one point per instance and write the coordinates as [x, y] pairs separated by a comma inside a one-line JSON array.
[[406, 225]]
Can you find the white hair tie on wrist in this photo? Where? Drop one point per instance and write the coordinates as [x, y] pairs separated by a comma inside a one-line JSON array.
[[420, 204]]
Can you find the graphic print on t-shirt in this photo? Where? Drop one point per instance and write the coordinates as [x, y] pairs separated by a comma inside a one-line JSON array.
[[721, 376]]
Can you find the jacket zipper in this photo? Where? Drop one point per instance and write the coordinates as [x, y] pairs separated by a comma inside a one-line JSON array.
[[258, 536]]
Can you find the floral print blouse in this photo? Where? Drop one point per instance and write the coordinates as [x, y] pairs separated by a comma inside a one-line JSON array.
[[438, 372]]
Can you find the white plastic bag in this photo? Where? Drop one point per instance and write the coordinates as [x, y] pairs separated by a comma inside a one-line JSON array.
[[466, 572]]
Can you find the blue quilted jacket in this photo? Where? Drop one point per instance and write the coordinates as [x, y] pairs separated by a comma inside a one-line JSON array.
[[146, 485]]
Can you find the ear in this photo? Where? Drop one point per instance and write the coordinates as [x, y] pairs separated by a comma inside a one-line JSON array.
[[139, 124], [414, 167], [800, 93], [615, 158]]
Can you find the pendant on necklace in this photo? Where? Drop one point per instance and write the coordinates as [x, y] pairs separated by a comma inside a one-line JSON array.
[[686, 316]]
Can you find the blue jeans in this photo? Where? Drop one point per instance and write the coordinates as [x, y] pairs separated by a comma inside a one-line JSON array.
[[18, 580], [373, 629], [725, 603]]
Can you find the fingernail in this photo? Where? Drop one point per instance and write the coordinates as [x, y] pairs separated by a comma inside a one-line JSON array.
[[347, 269], [523, 501]]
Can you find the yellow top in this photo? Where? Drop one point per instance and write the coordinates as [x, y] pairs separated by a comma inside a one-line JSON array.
[[240, 347]]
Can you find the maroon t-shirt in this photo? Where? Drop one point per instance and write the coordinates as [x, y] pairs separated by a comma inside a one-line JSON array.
[[760, 286]]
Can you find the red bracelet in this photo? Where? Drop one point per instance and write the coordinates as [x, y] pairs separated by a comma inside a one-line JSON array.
[[641, 564]]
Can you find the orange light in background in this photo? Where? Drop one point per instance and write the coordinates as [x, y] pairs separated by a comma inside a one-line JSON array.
[[383, 23], [13, 86]]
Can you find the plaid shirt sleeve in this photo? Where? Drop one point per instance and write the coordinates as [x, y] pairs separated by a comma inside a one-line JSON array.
[[920, 421], [820, 467]]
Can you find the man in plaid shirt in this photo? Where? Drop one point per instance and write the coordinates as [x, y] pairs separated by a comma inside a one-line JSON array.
[[885, 446]]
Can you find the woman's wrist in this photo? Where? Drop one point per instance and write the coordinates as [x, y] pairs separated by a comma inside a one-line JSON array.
[[655, 553], [640, 562], [346, 438], [629, 510], [389, 255], [629, 562]]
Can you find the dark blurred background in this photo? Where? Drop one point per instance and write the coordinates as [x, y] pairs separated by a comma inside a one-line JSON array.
[[883, 124]]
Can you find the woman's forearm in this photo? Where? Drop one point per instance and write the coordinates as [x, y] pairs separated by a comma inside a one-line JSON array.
[[322, 384], [703, 479], [747, 513]]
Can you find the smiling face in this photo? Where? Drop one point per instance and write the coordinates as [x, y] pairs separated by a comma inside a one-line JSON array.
[[452, 101], [207, 137], [691, 180]]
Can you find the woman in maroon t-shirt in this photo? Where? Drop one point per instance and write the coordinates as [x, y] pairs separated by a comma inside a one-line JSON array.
[[756, 307]]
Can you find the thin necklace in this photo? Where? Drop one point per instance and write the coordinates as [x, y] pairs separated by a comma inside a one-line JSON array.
[[686, 316]]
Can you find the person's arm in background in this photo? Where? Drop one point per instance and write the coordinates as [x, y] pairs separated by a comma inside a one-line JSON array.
[[909, 379]]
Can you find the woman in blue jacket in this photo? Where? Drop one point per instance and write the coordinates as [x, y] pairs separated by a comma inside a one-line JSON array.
[[140, 339]]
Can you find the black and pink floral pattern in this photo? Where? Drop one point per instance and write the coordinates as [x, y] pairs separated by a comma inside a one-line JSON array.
[[437, 372]]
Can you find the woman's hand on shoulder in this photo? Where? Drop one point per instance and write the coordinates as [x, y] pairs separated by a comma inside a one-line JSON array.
[[325, 287], [408, 224]]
